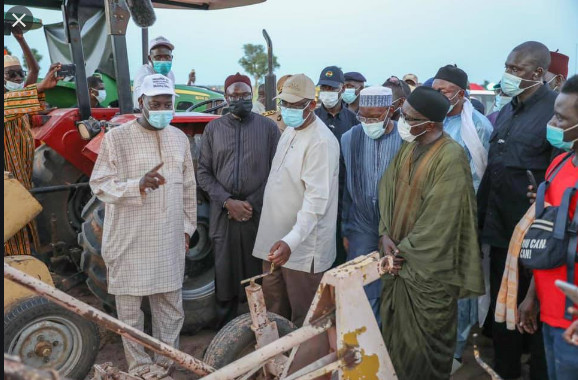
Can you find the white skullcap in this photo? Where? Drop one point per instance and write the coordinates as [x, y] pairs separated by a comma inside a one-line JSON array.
[[375, 96]]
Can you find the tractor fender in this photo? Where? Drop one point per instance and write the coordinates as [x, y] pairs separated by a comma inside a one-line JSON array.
[[13, 292]]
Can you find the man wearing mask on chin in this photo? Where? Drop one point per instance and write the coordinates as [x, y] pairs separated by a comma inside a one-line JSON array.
[[558, 71], [339, 120], [517, 144], [367, 149], [160, 62], [429, 238], [500, 100], [471, 130], [236, 154], [354, 83], [297, 228], [144, 174]]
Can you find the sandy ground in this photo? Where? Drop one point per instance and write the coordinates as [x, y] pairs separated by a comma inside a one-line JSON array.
[[111, 348]]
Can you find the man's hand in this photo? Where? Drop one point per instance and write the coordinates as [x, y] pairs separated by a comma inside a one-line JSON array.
[[346, 244], [391, 264], [187, 241], [388, 247], [241, 211], [571, 334], [51, 80], [152, 180], [531, 194], [528, 316], [279, 253], [17, 33]]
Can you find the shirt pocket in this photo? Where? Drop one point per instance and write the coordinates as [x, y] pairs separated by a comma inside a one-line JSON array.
[[527, 150], [174, 167]]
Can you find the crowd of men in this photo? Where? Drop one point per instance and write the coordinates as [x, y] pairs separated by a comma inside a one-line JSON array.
[[414, 171]]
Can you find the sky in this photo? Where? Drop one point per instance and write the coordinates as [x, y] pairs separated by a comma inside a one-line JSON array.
[[378, 38]]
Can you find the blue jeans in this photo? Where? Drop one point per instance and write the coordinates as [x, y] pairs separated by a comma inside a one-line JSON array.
[[467, 318], [561, 357]]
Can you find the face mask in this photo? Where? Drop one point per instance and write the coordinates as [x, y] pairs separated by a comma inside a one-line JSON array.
[[329, 98], [13, 86], [510, 84], [293, 117], [101, 96], [374, 130], [349, 95], [500, 101], [162, 67], [403, 128], [158, 119], [241, 108], [452, 105], [555, 136]]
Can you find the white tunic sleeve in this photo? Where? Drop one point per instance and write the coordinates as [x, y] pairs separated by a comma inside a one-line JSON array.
[[105, 183], [189, 194]]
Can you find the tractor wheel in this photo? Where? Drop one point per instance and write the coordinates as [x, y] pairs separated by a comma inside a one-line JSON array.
[[237, 339], [45, 335], [199, 281], [51, 169]]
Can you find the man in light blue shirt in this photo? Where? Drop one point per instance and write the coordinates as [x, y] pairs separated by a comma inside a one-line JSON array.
[[471, 130]]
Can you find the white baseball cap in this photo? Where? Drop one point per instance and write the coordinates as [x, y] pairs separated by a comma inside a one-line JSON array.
[[157, 84], [160, 41]]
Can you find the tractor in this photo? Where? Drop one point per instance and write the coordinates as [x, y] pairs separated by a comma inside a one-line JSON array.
[[68, 141]]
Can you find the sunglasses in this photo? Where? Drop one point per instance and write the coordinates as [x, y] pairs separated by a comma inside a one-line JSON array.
[[13, 74]]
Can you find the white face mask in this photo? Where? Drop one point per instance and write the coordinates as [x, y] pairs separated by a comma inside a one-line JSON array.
[[13, 86], [510, 84], [329, 98], [452, 105], [101, 96], [403, 128]]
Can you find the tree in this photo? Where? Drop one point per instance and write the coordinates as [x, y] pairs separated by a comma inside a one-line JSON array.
[[255, 62], [37, 57]]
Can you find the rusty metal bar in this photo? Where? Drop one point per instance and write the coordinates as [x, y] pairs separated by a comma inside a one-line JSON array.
[[262, 355], [14, 369], [494, 375], [106, 321], [321, 363]]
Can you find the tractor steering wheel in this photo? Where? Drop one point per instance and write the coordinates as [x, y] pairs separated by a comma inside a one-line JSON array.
[[222, 104]]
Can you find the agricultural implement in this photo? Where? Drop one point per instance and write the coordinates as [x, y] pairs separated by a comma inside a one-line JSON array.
[[340, 314]]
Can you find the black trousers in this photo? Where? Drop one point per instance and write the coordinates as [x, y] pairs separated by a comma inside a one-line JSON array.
[[510, 345]]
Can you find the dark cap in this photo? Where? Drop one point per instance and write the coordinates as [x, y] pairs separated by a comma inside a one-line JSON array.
[[354, 76], [331, 76], [430, 103], [236, 79], [453, 74]]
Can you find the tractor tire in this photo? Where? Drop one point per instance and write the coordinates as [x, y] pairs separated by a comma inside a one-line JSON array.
[[51, 169], [199, 282], [45, 335], [237, 339]]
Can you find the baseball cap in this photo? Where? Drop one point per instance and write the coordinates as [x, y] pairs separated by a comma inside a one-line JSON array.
[[11, 60], [411, 77], [296, 88], [331, 76], [160, 41], [157, 84]]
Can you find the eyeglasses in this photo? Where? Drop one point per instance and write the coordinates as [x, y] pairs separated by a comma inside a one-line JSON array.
[[12, 74], [234, 98], [370, 120], [411, 119], [294, 106]]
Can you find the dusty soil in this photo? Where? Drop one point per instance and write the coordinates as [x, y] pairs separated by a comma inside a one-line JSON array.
[[111, 347]]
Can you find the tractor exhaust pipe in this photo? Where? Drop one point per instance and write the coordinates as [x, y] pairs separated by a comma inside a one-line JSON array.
[[270, 80]]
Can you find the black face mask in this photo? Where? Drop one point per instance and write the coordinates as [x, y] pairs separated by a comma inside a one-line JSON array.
[[241, 108]]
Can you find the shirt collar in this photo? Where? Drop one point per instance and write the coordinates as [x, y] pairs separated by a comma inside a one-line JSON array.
[[539, 94]]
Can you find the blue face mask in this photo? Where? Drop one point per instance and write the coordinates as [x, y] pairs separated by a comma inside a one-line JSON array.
[[349, 95], [293, 117], [555, 137], [162, 67], [159, 119]]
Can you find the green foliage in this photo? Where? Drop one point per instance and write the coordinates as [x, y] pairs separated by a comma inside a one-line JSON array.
[[255, 61], [37, 57]]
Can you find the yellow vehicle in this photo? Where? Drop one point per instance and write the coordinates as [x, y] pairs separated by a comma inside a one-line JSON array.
[[41, 333]]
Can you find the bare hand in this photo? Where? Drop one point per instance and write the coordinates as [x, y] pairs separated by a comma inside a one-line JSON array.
[[388, 247], [527, 316], [51, 80], [531, 194], [240, 211], [392, 264], [152, 180], [279, 253], [346, 244], [571, 333], [17, 33], [187, 240]]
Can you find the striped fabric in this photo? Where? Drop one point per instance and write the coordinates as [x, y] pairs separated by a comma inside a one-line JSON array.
[[19, 155]]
